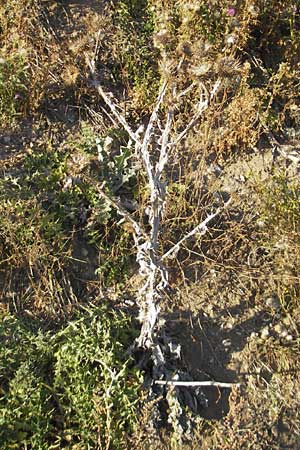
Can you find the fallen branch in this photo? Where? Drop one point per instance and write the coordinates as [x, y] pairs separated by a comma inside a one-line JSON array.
[[196, 383]]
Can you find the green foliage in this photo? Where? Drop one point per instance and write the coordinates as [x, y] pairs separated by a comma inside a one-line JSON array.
[[28, 234], [40, 210], [137, 65], [72, 387], [14, 76], [282, 204], [205, 20]]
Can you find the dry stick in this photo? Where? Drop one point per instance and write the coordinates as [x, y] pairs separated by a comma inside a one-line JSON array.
[[147, 257], [110, 104], [119, 208], [201, 229], [195, 383], [186, 91], [203, 105]]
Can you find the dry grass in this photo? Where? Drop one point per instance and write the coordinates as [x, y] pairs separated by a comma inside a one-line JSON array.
[[60, 245]]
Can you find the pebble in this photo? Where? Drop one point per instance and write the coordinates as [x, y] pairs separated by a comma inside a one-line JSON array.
[[265, 333], [284, 333], [279, 328], [226, 343], [273, 302], [289, 338]]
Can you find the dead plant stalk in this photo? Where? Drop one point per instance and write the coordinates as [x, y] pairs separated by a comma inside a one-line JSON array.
[[151, 268]]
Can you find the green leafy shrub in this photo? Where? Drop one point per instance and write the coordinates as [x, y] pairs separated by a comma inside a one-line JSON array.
[[72, 388]]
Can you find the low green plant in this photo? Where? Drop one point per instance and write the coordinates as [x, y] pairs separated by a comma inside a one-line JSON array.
[[139, 74], [14, 79], [280, 235], [71, 388], [56, 192], [28, 235], [281, 204]]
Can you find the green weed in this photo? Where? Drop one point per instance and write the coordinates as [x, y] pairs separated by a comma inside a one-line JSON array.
[[14, 80], [72, 387], [56, 193], [281, 204], [280, 235], [136, 65]]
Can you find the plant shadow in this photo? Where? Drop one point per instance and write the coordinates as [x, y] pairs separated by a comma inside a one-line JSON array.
[[209, 349]]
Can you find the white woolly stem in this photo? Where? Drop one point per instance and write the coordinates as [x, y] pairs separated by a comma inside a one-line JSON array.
[[196, 383], [110, 104], [199, 229], [147, 138], [202, 106]]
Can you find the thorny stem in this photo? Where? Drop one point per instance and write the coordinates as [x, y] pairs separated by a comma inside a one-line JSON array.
[[202, 106], [147, 138], [110, 103]]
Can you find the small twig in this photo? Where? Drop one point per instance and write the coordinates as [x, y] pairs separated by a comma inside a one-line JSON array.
[[186, 91], [202, 106], [196, 383], [119, 208], [111, 105], [201, 229]]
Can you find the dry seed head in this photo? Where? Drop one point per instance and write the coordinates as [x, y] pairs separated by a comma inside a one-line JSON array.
[[184, 48], [227, 65], [202, 69], [70, 75]]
